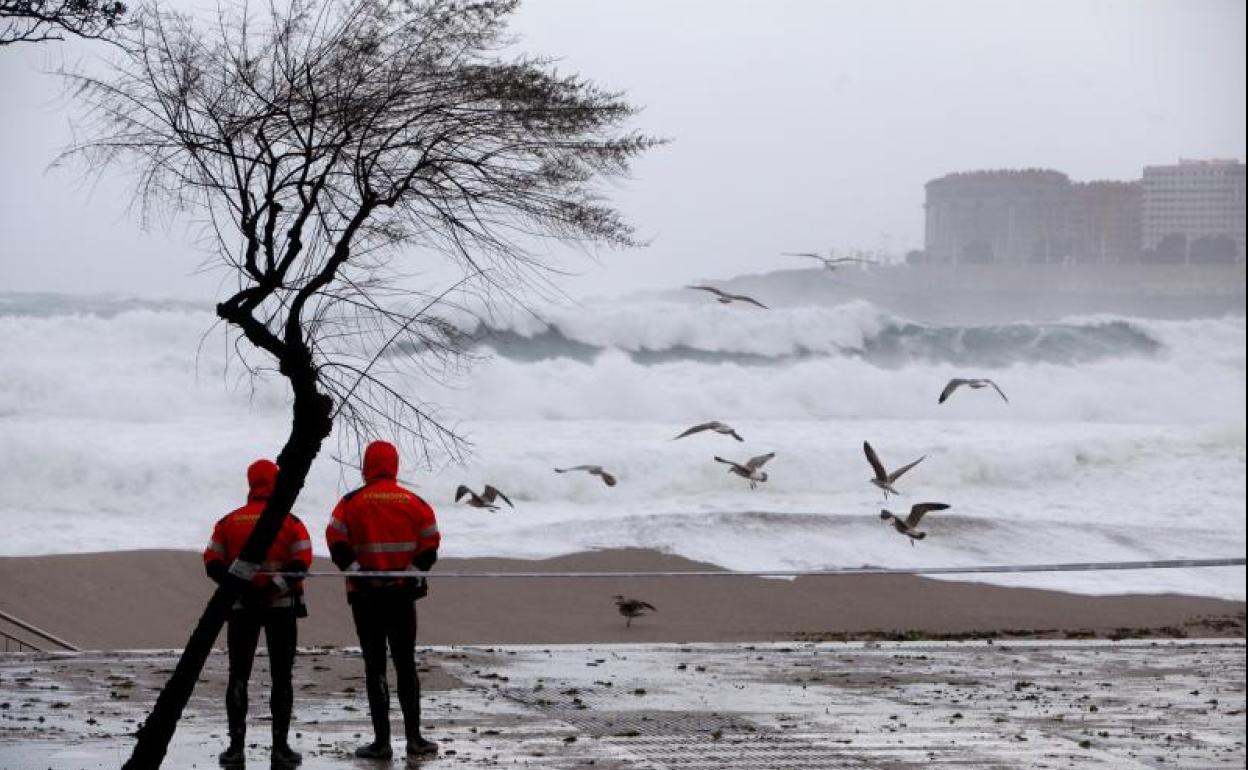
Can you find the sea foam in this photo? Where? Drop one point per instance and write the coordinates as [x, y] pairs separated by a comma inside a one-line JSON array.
[[1124, 437]]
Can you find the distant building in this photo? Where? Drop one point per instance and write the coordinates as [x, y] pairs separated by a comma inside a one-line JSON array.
[[1105, 221], [1194, 211], [999, 216]]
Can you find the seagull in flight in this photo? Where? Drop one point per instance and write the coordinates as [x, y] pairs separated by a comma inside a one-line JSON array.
[[715, 425], [883, 479], [829, 262], [631, 608], [485, 499], [726, 298], [751, 470], [595, 470], [906, 526], [956, 383]]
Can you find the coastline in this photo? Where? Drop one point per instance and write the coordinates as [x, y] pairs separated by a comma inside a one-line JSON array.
[[151, 600]]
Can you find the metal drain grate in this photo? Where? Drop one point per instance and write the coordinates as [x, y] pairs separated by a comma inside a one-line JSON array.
[[689, 740], [745, 751], [656, 724]]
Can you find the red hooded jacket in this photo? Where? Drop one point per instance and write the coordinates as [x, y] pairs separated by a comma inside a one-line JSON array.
[[386, 526], [292, 543]]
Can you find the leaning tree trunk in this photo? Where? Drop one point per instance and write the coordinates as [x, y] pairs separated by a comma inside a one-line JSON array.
[[310, 426]]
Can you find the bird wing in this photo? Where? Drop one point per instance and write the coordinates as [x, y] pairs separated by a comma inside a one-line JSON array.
[[490, 492], [463, 490], [589, 468], [711, 289], [746, 298], [801, 254], [647, 605], [919, 509], [874, 459], [951, 386], [754, 463], [697, 428], [999, 392], [719, 459], [897, 473], [607, 477]]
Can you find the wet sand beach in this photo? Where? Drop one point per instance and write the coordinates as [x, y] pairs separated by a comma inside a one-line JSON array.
[[151, 599]]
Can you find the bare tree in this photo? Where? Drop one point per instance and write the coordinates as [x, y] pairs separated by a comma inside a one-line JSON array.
[[33, 21], [321, 142]]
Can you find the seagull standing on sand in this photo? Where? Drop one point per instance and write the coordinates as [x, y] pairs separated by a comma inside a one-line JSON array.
[[906, 526], [883, 479], [751, 470], [595, 470], [632, 608], [956, 383], [728, 299], [485, 499], [829, 262], [715, 425]]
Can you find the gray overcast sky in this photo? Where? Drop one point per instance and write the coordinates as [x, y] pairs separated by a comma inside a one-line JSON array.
[[795, 125]]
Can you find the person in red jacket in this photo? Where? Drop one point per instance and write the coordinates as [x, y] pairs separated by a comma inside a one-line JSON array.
[[269, 603], [384, 527]]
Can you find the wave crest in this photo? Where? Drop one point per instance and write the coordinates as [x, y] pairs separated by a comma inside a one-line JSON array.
[[658, 332]]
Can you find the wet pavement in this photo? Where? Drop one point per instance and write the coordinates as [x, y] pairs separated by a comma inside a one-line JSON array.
[[1061, 704]]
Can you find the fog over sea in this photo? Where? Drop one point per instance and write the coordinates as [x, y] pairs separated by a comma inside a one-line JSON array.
[[1124, 437]]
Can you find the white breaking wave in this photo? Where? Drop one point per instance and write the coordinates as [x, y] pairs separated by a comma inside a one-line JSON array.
[[660, 325], [1181, 388], [652, 331], [153, 365], [134, 366], [131, 429]]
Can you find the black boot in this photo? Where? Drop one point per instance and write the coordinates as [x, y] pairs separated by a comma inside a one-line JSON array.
[[284, 756], [236, 714], [409, 701], [418, 746], [375, 750], [234, 754], [282, 704], [379, 711]]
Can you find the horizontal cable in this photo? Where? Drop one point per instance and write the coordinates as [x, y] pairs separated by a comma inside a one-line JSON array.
[[990, 568]]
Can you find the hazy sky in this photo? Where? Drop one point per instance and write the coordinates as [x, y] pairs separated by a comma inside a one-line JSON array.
[[795, 125]]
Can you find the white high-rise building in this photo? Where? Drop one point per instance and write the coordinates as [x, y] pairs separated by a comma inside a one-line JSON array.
[[1201, 200]]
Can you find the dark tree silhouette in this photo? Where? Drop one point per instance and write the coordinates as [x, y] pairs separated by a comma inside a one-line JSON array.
[[1170, 250], [321, 142], [978, 253], [33, 21], [1214, 250]]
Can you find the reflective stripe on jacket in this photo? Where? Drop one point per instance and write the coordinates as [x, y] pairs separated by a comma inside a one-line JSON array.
[[232, 530], [292, 543]]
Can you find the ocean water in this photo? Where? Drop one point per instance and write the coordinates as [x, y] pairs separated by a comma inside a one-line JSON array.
[[126, 424]]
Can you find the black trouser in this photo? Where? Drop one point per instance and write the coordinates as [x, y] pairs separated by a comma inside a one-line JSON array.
[[388, 616], [280, 635]]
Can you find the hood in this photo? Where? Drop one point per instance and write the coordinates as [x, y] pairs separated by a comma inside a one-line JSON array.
[[261, 476], [381, 461]]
